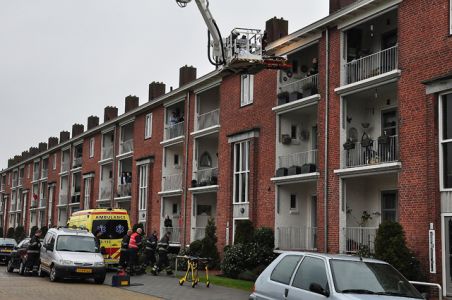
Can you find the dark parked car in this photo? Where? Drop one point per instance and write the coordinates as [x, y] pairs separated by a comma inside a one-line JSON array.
[[18, 257], [6, 247]]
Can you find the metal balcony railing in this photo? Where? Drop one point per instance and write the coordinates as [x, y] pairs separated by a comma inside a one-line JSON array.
[[65, 166], [14, 182], [372, 65], [42, 202], [172, 182], [209, 119], [297, 238], [175, 233], [124, 190], [105, 190], [298, 159], [358, 237], [44, 173], [21, 181], [372, 152], [62, 199], [205, 177], [35, 175], [198, 233], [107, 152], [174, 130], [126, 146], [78, 161], [299, 88]]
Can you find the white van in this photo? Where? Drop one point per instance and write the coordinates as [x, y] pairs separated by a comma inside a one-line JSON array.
[[71, 253]]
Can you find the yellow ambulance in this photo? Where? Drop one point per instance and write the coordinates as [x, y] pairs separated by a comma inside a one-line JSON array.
[[113, 223]]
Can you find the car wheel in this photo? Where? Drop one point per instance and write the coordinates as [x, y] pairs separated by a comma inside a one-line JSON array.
[[10, 266], [53, 275], [22, 268], [99, 280], [41, 271]]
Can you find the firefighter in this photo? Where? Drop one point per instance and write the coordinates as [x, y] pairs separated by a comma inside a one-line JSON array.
[[123, 258], [151, 247], [33, 251], [162, 247], [134, 246]]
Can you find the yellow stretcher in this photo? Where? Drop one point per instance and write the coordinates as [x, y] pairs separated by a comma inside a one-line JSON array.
[[193, 264]]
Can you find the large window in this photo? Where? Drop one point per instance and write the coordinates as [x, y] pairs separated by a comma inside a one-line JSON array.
[[247, 89], [446, 141], [91, 147], [87, 194], [148, 126], [143, 188], [241, 171]]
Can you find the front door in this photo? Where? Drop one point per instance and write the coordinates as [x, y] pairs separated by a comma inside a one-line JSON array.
[[448, 254]]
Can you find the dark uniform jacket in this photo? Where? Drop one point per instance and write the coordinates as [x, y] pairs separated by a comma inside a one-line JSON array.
[[125, 242], [151, 242], [163, 244], [34, 246]]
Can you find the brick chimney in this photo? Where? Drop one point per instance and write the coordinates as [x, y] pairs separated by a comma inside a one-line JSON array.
[[25, 154], [33, 151], [64, 136], [93, 121], [42, 147], [52, 142], [17, 159], [156, 89], [187, 74], [131, 103], [276, 29], [336, 5], [77, 129], [110, 113], [10, 162]]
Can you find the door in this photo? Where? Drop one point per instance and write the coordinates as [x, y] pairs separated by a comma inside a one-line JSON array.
[[448, 254], [312, 270]]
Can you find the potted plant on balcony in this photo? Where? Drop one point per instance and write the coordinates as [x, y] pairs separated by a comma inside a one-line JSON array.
[[383, 139], [349, 144]]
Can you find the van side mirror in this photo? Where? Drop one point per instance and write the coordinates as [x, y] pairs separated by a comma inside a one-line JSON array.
[[49, 247], [318, 289]]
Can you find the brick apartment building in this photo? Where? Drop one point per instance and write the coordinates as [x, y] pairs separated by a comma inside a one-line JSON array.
[[358, 131]]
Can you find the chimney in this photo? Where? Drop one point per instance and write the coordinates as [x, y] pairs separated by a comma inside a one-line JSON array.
[[276, 29], [10, 162], [187, 74], [77, 129], [156, 89], [110, 113], [42, 147], [25, 154], [131, 103], [52, 142], [93, 121], [33, 151], [17, 159], [64, 136], [336, 5]]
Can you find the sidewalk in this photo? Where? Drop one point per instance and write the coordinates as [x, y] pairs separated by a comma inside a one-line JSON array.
[[167, 287]]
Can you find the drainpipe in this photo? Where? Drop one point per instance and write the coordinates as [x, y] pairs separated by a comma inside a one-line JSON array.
[[325, 179], [185, 173]]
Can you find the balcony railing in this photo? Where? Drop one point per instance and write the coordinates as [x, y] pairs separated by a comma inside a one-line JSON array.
[[65, 166], [34, 203], [44, 173], [209, 119], [372, 65], [14, 182], [172, 182], [371, 152], [42, 202], [205, 177], [297, 238], [21, 181], [174, 130], [298, 159], [358, 237], [62, 199], [107, 152], [36, 175], [298, 89], [175, 234], [124, 189], [198, 233], [105, 190], [78, 161], [126, 146]]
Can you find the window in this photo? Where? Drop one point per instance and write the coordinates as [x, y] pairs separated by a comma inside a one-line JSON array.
[[293, 203], [143, 188], [148, 126], [241, 171], [446, 140], [284, 269], [87, 194], [91, 147], [176, 160], [311, 270], [54, 163], [247, 89], [389, 206]]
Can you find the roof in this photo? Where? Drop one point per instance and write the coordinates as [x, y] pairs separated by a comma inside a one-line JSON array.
[[333, 256], [99, 210], [70, 231]]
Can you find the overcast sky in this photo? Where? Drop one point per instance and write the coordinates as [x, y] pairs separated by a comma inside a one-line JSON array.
[[64, 60]]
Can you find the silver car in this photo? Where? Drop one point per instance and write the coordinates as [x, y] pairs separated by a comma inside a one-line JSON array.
[[312, 276]]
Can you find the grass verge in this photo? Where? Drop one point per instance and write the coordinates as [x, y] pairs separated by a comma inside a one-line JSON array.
[[243, 285]]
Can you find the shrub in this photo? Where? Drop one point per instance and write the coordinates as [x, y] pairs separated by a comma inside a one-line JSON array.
[[209, 244], [390, 246], [234, 263], [10, 233], [264, 237], [19, 233], [244, 232], [33, 230], [195, 248]]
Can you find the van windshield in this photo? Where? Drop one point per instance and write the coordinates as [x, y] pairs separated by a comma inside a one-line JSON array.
[[74, 243], [111, 229]]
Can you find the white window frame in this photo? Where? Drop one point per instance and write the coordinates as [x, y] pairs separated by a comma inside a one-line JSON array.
[[91, 147], [293, 210], [450, 16], [54, 163], [442, 141], [241, 148], [246, 89], [87, 193], [148, 126], [143, 187]]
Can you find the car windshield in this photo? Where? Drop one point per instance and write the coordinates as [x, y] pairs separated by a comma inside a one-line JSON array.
[[111, 229], [357, 277], [74, 243], [8, 242]]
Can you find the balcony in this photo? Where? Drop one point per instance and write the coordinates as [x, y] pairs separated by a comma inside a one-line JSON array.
[[126, 146], [371, 65], [62, 199], [296, 238], [44, 173], [175, 234], [209, 119], [198, 233], [107, 152], [65, 167], [298, 89], [174, 130], [78, 161], [14, 182], [172, 182], [371, 152], [20, 182], [124, 190], [206, 177], [357, 238], [306, 161], [36, 175], [105, 190]]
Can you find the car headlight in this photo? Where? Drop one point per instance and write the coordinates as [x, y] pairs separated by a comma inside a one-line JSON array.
[[99, 264], [66, 262]]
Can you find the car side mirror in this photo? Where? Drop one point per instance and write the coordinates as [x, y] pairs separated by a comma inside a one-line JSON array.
[[49, 247], [318, 289]]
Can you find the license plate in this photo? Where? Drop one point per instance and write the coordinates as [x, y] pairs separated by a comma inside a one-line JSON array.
[[6, 250], [79, 270]]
